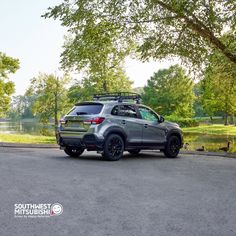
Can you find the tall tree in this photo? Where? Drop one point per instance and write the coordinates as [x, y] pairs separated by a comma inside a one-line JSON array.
[[170, 92], [189, 29], [8, 65], [83, 90], [96, 51], [51, 99], [219, 87], [198, 106], [21, 106]]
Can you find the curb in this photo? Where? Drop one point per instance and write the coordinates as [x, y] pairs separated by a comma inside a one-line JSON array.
[[55, 146], [220, 154], [27, 145]]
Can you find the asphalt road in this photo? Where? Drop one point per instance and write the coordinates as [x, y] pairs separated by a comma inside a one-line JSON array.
[[138, 195]]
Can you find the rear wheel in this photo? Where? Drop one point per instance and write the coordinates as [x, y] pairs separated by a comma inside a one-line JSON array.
[[73, 152], [113, 148], [172, 147], [134, 151]]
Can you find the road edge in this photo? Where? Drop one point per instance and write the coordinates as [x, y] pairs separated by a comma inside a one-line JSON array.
[[27, 145], [55, 146]]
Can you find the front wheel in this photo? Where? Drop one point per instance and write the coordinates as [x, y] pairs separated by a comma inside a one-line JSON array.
[[172, 147], [113, 148], [73, 152]]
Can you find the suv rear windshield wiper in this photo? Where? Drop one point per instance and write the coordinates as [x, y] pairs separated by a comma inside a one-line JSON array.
[[81, 113]]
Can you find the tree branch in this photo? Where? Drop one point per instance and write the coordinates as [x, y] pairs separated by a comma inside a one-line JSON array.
[[197, 26]]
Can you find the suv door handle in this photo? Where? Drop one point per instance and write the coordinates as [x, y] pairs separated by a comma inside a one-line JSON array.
[[146, 125], [123, 122]]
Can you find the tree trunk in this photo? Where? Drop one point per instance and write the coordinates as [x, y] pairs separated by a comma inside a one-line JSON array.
[[231, 119], [56, 104], [104, 85], [211, 119], [226, 119]]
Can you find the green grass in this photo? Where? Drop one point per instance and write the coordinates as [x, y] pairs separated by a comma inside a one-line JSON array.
[[26, 138], [212, 129]]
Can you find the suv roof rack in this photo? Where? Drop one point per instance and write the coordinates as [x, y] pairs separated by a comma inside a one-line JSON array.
[[117, 96]]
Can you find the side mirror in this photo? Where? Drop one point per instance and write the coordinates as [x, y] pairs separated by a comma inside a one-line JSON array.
[[161, 119]]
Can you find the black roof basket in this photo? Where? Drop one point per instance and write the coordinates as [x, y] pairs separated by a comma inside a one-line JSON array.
[[117, 96]]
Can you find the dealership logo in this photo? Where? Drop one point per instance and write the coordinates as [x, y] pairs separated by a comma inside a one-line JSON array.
[[56, 209], [37, 210]]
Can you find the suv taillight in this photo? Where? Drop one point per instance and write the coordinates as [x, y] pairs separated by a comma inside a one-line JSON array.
[[94, 121]]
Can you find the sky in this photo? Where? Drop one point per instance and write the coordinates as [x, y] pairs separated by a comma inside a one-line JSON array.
[[37, 43]]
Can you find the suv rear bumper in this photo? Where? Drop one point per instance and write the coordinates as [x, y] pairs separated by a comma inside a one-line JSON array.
[[88, 141]]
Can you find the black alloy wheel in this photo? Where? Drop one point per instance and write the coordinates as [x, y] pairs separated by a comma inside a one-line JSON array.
[[172, 147], [113, 148]]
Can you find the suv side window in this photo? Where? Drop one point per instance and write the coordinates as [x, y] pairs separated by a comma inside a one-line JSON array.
[[128, 110], [115, 111], [147, 114], [125, 110]]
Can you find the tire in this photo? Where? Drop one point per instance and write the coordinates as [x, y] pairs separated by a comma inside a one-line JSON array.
[[172, 147], [134, 151], [73, 152], [113, 148]]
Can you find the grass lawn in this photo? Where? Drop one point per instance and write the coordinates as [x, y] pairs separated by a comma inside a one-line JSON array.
[[26, 138], [212, 129]]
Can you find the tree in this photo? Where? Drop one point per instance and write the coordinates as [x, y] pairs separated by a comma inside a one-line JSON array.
[[189, 29], [21, 106], [219, 87], [97, 52], [83, 90], [197, 105], [8, 65], [170, 92], [51, 99]]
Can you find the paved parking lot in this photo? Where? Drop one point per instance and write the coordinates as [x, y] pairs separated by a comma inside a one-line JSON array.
[[138, 195]]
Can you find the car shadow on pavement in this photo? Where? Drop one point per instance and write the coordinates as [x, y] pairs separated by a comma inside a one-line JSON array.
[[93, 156]]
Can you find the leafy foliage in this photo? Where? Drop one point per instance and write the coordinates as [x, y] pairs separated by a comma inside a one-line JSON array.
[[93, 47], [51, 99], [8, 65], [170, 92], [83, 90], [197, 105], [219, 86], [21, 107], [183, 122], [189, 29]]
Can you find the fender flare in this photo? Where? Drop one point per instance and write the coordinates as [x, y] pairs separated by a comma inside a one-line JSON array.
[[177, 133], [115, 130]]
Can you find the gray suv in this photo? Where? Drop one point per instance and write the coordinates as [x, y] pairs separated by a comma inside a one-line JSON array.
[[113, 123]]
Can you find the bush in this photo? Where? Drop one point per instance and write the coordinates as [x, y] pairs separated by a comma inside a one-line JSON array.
[[183, 122]]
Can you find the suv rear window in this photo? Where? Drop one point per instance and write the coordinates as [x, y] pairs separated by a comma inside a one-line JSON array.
[[86, 109]]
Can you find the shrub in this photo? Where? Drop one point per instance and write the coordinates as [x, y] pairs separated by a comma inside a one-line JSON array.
[[183, 122]]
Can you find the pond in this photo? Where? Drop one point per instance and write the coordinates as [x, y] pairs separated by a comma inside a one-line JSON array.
[[26, 127], [210, 142]]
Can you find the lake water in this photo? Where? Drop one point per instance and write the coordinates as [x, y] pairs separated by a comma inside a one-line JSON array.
[[210, 142], [33, 128]]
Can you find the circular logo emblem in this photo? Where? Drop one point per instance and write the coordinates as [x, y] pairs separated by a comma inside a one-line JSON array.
[[56, 209]]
